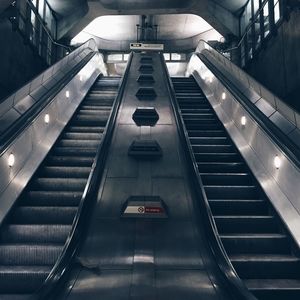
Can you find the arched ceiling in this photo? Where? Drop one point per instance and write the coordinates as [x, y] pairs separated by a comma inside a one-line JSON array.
[[169, 27], [74, 15]]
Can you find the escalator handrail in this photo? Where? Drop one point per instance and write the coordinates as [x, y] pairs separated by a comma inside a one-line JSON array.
[[89, 196], [26, 119], [230, 277]]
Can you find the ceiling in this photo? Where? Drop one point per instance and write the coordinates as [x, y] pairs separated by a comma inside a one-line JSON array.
[[75, 15], [170, 27]]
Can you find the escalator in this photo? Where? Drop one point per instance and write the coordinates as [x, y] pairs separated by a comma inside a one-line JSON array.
[[33, 234], [259, 247]]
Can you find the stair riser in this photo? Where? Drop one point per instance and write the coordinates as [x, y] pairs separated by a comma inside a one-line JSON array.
[[267, 270], [256, 245]]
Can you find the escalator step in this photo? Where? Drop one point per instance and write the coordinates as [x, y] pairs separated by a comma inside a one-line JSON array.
[[217, 157], [246, 224], [82, 136], [22, 279], [43, 215], [207, 133], [78, 143], [34, 233], [213, 148], [65, 172], [238, 207], [275, 289], [231, 192], [59, 184], [27, 254], [221, 167], [209, 140], [226, 178], [43, 198], [266, 266], [77, 151], [88, 129], [70, 161], [256, 244], [88, 120]]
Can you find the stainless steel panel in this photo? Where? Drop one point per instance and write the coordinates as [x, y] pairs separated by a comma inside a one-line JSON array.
[[251, 95], [6, 105], [265, 107], [184, 284], [266, 94], [38, 93], [21, 93], [120, 164], [286, 111], [7, 119], [36, 83], [24, 104], [282, 122], [295, 136], [47, 74]]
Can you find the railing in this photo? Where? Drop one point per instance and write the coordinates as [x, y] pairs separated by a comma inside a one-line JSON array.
[[38, 26], [264, 23]]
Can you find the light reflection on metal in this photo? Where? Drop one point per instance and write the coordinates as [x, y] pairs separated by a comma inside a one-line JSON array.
[[47, 118], [11, 160], [277, 162], [243, 120]]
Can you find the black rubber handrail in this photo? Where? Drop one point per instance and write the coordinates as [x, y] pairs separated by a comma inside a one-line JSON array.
[[26, 119], [287, 146], [79, 226], [231, 280]]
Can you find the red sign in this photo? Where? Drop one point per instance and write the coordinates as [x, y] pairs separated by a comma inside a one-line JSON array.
[[154, 210]]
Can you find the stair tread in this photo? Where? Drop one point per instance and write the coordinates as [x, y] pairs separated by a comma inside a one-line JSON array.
[[263, 257], [253, 235], [273, 284], [25, 269]]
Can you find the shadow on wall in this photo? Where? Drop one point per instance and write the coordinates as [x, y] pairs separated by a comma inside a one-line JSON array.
[[18, 62]]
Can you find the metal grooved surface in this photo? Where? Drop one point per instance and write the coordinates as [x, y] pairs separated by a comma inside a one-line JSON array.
[[125, 258], [251, 232], [35, 231]]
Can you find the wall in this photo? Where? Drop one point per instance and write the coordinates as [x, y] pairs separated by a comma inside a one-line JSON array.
[[18, 62], [278, 65]]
